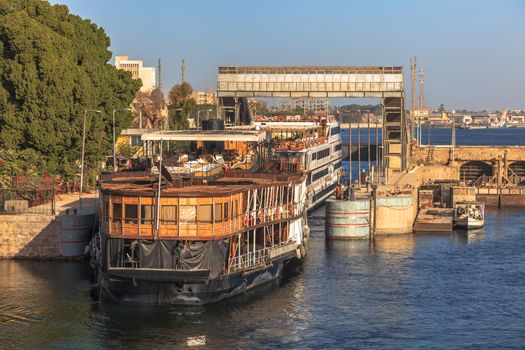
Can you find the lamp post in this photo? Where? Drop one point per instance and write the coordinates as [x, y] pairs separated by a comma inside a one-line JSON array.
[[114, 148], [83, 149]]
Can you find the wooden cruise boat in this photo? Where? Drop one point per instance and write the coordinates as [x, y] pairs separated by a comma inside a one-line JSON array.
[[312, 141], [199, 233]]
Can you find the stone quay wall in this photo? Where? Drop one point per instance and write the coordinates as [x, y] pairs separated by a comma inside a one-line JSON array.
[[29, 236]]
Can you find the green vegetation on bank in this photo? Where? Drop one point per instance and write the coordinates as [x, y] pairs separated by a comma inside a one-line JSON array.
[[53, 66]]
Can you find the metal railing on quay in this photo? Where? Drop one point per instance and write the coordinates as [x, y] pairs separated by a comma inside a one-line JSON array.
[[17, 201]]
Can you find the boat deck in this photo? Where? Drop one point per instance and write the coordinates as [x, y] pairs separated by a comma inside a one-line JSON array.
[[231, 182], [434, 220]]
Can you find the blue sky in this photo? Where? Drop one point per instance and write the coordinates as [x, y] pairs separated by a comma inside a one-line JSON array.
[[473, 52]]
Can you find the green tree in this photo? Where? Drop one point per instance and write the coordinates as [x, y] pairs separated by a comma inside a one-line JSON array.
[[53, 66], [441, 108], [180, 105]]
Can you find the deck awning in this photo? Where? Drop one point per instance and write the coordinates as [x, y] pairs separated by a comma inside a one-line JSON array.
[[206, 135]]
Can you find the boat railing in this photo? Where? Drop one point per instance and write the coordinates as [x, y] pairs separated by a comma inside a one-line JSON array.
[[253, 258], [249, 259], [300, 145]]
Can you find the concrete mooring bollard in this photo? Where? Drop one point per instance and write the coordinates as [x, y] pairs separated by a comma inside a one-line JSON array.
[[347, 219]]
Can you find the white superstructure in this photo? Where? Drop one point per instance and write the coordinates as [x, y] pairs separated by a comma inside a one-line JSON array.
[[315, 142]]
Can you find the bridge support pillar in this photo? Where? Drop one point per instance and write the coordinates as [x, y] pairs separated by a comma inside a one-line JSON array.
[[395, 135]]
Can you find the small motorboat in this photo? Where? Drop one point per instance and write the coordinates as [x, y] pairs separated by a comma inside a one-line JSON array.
[[469, 215]]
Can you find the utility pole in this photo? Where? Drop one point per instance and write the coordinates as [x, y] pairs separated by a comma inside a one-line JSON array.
[[83, 150], [421, 100], [413, 74]]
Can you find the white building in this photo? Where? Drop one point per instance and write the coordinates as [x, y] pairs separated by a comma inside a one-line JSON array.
[[137, 69]]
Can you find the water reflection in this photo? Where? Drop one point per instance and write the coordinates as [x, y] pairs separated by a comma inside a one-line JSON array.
[[466, 237], [403, 244]]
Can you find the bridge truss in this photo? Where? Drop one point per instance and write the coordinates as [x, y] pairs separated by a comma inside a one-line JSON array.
[[386, 83]]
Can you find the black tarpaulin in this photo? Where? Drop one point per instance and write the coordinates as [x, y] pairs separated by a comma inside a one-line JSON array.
[[210, 255], [158, 254], [115, 251]]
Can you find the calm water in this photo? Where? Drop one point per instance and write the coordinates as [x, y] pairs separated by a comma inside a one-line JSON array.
[[432, 291], [443, 136], [442, 291]]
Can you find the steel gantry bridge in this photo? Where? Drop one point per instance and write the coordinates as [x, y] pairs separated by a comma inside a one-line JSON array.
[[386, 83]]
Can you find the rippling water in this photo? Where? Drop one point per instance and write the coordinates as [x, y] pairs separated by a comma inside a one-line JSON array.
[[443, 291]]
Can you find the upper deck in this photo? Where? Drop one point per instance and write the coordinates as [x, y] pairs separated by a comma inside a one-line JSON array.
[[235, 181], [297, 133], [237, 202]]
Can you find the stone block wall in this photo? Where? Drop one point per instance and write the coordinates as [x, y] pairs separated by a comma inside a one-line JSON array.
[[29, 236]]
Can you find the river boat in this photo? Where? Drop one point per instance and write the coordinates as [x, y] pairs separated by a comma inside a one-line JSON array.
[[194, 232], [475, 127], [313, 141], [469, 215]]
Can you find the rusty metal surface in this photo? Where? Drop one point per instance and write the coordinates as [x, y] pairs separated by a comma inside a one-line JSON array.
[[426, 198], [434, 220], [512, 200], [488, 199]]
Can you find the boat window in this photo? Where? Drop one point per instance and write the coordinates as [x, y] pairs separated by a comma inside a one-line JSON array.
[[146, 214], [131, 213], [235, 208], [319, 174], [217, 213], [226, 214], [117, 212], [168, 214], [188, 213], [335, 130], [204, 213]]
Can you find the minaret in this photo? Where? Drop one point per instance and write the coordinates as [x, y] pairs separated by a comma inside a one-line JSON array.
[[182, 70]]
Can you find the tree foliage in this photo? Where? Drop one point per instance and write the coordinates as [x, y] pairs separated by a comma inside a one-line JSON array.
[[53, 66], [180, 105], [150, 104]]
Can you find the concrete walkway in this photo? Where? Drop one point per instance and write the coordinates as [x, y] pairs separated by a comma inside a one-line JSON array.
[[71, 201]]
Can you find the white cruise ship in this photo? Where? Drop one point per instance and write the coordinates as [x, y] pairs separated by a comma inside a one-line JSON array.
[[312, 143]]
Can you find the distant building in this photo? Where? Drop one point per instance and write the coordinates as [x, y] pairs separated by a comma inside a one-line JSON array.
[[421, 114], [373, 118], [517, 119], [132, 138], [310, 104], [137, 69], [481, 119], [461, 119], [204, 97]]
